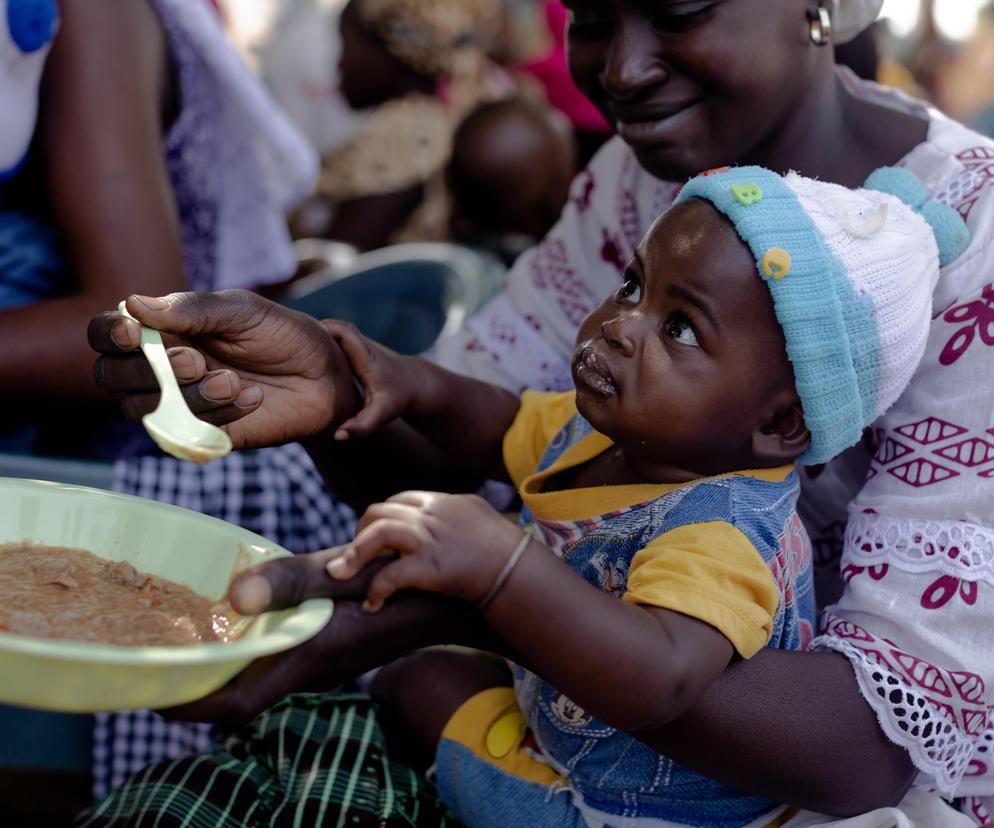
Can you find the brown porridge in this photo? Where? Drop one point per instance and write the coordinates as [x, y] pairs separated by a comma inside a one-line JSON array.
[[56, 592]]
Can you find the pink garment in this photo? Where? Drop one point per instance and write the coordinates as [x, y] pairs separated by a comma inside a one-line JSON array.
[[553, 73]]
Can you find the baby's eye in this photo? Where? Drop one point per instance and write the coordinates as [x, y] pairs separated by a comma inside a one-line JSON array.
[[679, 329], [629, 293]]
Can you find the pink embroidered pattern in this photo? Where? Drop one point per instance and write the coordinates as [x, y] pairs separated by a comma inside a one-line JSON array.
[[584, 187], [930, 452], [611, 252], [963, 192], [627, 207], [921, 472], [944, 588], [939, 714], [978, 316], [553, 271]]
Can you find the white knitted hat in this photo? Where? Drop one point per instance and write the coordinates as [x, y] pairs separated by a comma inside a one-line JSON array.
[[851, 273]]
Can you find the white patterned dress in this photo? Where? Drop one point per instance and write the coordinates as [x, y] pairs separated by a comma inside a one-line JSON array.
[[917, 617]]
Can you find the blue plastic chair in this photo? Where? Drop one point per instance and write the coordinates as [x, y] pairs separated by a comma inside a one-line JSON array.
[[406, 296]]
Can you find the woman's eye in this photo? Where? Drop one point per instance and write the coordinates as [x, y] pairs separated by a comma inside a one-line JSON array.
[[630, 292], [586, 19], [679, 17], [679, 329]]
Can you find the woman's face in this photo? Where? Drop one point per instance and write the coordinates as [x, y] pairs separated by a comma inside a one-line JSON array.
[[693, 84]]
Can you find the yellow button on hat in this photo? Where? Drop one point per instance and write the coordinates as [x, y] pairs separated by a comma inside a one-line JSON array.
[[776, 263]]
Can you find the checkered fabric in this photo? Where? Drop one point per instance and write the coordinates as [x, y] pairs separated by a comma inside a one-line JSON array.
[[312, 759], [277, 493]]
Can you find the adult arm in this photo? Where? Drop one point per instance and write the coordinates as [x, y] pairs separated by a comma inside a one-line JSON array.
[[101, 121], [288, 379], [791, 726]]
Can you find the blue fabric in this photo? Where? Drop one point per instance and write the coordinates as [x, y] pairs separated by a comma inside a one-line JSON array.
[[31, 23], [485, 796], [611, 771], [32, 267], [832, 337]]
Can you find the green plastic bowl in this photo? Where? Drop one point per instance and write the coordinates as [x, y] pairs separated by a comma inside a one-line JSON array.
[[185, 546]]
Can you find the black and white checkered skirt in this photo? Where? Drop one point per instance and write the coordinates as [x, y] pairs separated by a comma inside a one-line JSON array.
[[275, 492]]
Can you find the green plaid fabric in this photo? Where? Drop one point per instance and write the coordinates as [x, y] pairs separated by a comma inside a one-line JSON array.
[[311, 760]]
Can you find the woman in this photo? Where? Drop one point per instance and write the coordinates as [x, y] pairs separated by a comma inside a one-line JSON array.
[[175, 173], [691, 86]]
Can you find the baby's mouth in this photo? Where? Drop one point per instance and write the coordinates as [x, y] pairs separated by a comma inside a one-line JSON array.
[[592, 370]]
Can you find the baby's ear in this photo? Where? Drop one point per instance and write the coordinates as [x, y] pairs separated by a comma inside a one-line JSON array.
[[783, 438]]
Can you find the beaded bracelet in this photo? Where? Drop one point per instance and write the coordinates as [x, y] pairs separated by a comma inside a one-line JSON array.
[[506, 571]]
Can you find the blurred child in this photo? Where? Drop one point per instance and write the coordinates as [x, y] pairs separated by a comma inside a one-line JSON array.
[[416, 66], [509, 175]]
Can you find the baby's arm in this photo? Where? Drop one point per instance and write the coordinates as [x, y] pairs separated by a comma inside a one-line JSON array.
[[417, 426], [634, 667]]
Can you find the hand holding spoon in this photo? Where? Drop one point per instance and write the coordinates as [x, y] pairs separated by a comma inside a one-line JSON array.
[[172, 425]]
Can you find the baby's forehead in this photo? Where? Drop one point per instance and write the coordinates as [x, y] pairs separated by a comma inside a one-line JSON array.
[[695, 236]]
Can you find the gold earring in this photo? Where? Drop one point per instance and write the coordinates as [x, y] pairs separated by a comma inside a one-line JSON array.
[[820, 27]]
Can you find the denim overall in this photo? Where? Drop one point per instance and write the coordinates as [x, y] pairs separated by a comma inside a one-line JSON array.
[[614, 773]]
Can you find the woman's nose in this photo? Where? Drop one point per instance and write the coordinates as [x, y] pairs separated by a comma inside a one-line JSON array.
[[622, 333], [632, 63]]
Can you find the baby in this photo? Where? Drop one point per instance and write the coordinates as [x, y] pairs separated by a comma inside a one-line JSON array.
[[762, 321]]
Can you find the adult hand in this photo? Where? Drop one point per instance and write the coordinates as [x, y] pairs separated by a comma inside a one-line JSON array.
[[452, 544], [352, 642], [267, 374]]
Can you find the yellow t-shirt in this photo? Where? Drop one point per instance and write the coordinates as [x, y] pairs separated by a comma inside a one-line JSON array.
[[707, 569]]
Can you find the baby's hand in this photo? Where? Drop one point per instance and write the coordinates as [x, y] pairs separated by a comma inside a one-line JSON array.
[[389, 380], [452, 544]]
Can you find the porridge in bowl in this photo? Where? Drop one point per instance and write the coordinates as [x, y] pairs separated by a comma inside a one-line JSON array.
[[72, 594]]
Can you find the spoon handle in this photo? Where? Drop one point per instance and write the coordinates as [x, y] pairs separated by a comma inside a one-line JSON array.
[[155, 353]]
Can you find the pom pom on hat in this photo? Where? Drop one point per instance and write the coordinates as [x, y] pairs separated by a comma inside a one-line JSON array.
[[951, 233], [851, 274], [899, 182]]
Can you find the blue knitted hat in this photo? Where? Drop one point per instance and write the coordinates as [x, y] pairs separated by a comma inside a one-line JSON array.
[[851, 273]]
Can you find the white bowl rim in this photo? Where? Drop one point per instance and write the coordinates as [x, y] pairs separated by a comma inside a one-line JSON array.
[[298, 625]]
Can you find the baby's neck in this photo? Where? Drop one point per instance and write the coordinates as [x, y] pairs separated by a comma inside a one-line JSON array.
[[611, 468]]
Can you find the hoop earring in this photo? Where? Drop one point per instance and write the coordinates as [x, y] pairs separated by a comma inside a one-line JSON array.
[[820, 27]]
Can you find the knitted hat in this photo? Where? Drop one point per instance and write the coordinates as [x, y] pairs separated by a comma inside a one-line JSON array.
[[26, 31], [851, 273]]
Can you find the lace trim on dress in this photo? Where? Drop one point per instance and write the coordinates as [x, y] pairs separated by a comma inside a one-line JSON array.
[[938, 715], [963, 550]]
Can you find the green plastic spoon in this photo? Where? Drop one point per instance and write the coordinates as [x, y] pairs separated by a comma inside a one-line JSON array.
[[172, 425]]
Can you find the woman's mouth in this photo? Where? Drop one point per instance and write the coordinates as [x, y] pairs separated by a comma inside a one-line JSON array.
[[592, 370], [648, 127]]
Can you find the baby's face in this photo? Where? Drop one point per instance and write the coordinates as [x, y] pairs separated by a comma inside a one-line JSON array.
[[681, 364]]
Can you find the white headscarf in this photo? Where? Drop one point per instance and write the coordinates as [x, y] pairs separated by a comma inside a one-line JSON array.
[[850, 17], [267, 166]]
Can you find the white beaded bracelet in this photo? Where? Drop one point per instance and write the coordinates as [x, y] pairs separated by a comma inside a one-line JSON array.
[[506, 571]]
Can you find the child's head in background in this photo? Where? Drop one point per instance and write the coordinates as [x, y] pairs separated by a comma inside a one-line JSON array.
[[762, 320]]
